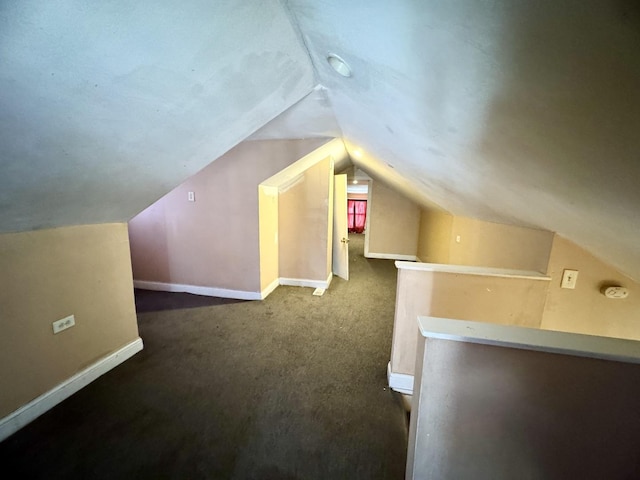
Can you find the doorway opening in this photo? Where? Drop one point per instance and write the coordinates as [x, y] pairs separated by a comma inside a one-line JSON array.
[[357, 211]]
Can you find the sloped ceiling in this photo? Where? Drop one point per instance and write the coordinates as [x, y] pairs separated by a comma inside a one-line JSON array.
[[311, 117], [106, 106], [524, 112]]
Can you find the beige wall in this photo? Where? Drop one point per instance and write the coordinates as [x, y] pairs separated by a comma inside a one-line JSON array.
[[434, 238], [540, 304], [305, 218], [585, 309], [485, 298], [269, 258], [393, 223], [214, 241], [489, 244], [47, 275], [466, 241], [489, 412]]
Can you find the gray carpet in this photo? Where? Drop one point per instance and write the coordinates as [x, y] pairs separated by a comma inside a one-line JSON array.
[[293, 387]]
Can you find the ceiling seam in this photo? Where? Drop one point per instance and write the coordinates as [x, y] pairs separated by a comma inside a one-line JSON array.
[[293, 20], [296, 27]]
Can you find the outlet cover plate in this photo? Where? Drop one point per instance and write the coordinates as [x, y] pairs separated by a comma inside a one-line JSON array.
[[63, 324]]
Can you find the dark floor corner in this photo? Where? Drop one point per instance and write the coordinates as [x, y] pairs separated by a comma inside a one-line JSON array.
[[293, 387], [152, 301]]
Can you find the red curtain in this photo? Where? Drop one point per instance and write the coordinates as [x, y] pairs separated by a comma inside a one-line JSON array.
[[357, 215]]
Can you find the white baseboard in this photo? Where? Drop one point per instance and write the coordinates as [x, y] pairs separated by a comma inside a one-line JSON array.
[[400, 382], [32, 410], [198, 290], [391, 256], [270, 288], [303, 282]]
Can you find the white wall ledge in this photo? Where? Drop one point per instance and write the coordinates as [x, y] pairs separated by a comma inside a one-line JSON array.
[[469, 270], [522, 338]]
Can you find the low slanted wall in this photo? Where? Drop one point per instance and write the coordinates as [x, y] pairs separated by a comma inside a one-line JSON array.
[[501, 402], [507, 297]]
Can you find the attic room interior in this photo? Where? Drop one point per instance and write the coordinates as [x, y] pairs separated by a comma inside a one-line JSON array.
[[177, 147]]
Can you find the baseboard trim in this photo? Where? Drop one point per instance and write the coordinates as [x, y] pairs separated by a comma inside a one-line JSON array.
[[304, 282], [391, 256], [270, 288], [45, 402], [198, 290], [400, 382]]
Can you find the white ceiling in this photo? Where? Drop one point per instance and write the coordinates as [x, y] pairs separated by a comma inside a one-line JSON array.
[[311, 117], [106, 106], [524, 112]]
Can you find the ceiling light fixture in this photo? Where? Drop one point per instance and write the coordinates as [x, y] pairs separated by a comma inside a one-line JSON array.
[[339, 65], [355, 182], [357, 153]]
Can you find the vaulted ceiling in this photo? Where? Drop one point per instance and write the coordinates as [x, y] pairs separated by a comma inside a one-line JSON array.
[[523, 112]]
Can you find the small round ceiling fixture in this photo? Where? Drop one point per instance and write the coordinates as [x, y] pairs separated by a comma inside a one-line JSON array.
[[339, 65]]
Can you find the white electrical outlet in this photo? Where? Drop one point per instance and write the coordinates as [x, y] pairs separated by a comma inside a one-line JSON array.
[[569, 279], [191, 196], [63, 324]]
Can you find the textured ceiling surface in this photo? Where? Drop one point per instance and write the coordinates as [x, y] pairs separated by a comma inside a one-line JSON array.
[[311, 117], [106, 106], [523, 112]]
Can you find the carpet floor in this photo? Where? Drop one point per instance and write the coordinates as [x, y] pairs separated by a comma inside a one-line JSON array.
[[293, 387]]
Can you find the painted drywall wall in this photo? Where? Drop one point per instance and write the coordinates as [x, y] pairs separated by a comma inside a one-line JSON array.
[[434, 237], [305, 216], [486, 298], [106, 109], [357, 196], [585, 309], [214, 241], [458, 240], [47, 275], [489, 244], [488, 412], [393, 223], [313, 189], [268, 237]]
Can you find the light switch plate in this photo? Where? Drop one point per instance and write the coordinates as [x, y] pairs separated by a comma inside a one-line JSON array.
[[569, 279]]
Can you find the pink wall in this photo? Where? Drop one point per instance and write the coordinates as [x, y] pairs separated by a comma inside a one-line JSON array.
[[212, 242]]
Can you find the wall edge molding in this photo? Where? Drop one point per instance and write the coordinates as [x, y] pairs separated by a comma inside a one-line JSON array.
[[400, 382], [45, 402], [305, 282], [270, 288], [392, 256], [198, 290]]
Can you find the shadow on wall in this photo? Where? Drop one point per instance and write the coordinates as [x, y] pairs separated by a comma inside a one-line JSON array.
[[508, 413], [561, 129]]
